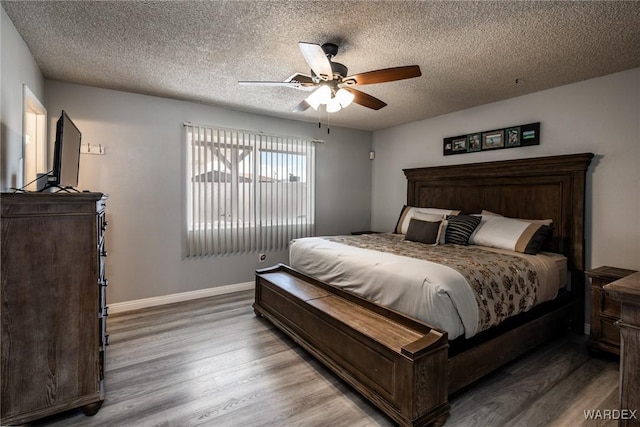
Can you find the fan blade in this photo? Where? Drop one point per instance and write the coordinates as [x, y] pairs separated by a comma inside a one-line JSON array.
[[301, 78], [317, 60], [382, 76], [266, 83], [366, 100], [303, 106], [294, 85]]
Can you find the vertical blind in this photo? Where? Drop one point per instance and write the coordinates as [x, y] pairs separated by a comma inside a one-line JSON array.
[[247, 191]]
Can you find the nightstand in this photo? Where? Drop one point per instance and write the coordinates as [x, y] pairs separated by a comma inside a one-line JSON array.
[[627, 291], [605, 311]]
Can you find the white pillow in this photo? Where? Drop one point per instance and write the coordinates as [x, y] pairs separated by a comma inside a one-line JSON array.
[[422, 216], [443, 231], [511, 234], [535, 221]]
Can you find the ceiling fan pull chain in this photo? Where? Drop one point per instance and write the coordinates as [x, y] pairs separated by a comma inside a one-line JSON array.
[[328, 128]]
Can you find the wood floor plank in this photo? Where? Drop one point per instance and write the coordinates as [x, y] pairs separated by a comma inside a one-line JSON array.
[[587, 388], [498, 399], [211, 362]]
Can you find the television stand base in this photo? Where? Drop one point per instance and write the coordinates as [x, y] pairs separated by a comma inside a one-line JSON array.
[[60, 189]]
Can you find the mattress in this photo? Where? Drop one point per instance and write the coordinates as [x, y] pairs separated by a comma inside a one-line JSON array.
[[444, 296]]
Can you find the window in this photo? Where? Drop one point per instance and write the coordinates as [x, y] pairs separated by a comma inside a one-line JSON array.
[[246, 191], [34, 132]]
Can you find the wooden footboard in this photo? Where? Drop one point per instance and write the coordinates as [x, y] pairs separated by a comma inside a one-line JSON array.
[[491, 353], [398, 363]]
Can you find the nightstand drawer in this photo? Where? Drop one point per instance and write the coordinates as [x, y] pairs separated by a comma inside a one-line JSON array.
[[610, 307], [610, 333]]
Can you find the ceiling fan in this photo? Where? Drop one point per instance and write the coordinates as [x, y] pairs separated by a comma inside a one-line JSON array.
[[330, 84]]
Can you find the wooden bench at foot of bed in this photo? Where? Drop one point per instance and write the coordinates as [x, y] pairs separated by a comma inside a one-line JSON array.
[[399, 364]]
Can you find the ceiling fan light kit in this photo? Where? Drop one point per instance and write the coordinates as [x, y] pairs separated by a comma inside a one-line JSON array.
[[333, 87], [322, 95], [334, 100], [344, 97]]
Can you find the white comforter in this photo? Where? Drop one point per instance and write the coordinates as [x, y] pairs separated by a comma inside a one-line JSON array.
[[431, 292]]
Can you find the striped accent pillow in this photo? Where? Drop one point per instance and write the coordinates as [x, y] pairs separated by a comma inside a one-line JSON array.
[[460, 228]]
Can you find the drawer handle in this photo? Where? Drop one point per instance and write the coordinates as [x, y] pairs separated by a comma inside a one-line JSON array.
[[626, 325]]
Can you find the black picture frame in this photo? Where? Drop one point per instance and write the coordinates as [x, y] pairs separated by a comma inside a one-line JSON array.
[[459, 144], [496, 139], [474, 142], [512, 137]]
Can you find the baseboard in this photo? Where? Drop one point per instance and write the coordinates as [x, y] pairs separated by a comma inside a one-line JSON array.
[[121, 307]]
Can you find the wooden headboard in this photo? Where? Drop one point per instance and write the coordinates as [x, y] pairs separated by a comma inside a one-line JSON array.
[[537, 188]]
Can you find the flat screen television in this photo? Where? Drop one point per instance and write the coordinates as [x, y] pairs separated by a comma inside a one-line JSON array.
[[66, 154]]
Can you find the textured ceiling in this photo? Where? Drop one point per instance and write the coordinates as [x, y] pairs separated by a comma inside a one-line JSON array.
[[470, 53]]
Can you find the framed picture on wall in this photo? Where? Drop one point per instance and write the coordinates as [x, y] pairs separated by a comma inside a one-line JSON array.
[[459, 144], [514, 136], [493, 139], [473, 142], [530, 134]]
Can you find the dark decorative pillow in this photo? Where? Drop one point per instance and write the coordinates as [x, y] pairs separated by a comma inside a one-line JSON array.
[[538, 240], [423, 231], [460, 228]]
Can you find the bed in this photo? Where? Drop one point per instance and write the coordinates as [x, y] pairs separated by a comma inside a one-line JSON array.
[[443, 285], [402, 363]]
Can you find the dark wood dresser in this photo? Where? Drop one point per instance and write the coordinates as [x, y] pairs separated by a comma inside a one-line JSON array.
[[53, 304], [604, 334]]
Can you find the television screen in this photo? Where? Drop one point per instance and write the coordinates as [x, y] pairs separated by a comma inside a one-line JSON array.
[[66, 153]]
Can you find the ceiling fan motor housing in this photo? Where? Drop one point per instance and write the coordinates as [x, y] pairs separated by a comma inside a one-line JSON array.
[[330, 49], [338, 69]]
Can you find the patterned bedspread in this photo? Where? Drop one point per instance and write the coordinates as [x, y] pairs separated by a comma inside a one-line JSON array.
[[503, 284]]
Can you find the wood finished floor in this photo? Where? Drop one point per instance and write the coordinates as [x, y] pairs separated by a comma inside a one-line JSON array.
[[211, 362]]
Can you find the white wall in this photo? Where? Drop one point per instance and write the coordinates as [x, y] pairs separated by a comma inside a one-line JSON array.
[[17, 67], [599, 116], [143, 174]]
